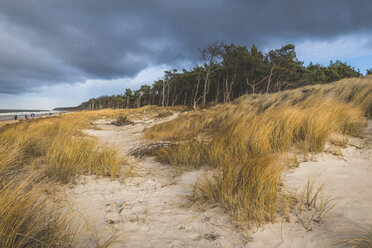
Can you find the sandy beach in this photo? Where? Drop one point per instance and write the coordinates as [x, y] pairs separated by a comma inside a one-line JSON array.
[[151, 208]]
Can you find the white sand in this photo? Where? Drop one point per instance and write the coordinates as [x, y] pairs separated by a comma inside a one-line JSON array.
[[349, 178], [149, 209]]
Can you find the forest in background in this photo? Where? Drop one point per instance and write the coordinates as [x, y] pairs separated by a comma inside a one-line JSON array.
[[225, 73]]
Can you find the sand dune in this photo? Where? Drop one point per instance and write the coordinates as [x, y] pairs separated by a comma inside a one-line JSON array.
[[347, 178], [150, 209]]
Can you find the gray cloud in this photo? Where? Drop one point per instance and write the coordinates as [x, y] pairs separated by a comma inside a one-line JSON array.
[[45, 42]]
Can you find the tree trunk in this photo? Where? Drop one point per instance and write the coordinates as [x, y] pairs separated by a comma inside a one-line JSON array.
[[168, 88], [163, 94], [218, 91], [205, 90], [195, 102], [269, 81], [174, 97]]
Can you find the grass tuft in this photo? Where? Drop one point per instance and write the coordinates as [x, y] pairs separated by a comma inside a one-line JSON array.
[[358, 238], [246, 187], [27, 221], [313, 205]]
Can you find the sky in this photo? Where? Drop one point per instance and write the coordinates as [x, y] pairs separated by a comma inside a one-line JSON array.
[[57, 53]]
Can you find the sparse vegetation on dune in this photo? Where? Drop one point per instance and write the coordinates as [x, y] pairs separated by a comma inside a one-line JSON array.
[[356, 238], [241, 139], [58, 149], [313, 205], [46, 151], [242, 142]]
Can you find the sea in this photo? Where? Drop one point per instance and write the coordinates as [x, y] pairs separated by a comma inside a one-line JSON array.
[[8, 114]]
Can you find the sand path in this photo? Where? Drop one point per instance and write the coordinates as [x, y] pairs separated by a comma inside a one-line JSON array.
[[150, 208]]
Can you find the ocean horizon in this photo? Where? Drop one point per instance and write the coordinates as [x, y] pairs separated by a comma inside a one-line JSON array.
[[8, 114]]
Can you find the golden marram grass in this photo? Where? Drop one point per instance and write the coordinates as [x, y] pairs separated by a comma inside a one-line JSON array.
[[244, 141], [37, 154]]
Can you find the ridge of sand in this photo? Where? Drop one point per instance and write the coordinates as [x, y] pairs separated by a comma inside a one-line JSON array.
[[149, 209]]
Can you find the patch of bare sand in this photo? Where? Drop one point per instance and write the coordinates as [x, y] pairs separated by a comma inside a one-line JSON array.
[[348, 178], [150, 209]]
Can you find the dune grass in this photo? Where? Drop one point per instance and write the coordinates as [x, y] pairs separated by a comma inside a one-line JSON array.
[[355, 92], [313, 204], [247, 187], [27, 221], [36, 154], [63, 150], [357, 238], [60, 150], [79, 155], [243, 141]]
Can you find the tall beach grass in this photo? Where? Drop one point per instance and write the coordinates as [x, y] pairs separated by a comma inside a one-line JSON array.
[[27, 220], [37, 154], [244, 141]]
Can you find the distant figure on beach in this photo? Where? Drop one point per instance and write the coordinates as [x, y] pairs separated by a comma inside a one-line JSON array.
[[32, 115], [15, 117], [50, 113], [26, 116], [59, 113]]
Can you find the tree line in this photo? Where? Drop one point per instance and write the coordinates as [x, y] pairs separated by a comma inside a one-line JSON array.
[[226, 72]]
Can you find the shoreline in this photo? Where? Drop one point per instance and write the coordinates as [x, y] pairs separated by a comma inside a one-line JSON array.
[[8, 123]]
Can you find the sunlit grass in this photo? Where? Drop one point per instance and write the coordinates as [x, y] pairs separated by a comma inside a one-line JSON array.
[[241, 139], [64, 149], [27, 220], [245, 186], [36, 154], [80, 155]]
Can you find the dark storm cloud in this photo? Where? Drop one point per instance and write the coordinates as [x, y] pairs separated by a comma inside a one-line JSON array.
[[51, 41]]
